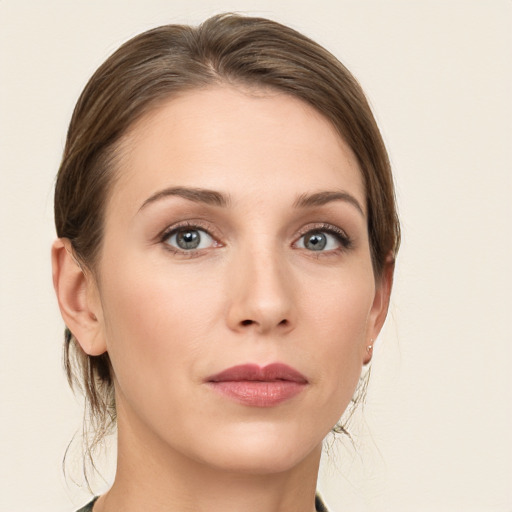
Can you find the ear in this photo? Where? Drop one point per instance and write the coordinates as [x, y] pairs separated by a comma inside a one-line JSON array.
[[380, 306], [78, 298]]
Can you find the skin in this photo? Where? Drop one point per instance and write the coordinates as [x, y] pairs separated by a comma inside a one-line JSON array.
[[253, 292]]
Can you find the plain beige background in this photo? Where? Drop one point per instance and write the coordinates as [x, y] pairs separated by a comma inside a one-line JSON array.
[[435, 433]]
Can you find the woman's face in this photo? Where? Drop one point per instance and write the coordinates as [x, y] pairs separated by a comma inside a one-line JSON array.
[[236, 238]]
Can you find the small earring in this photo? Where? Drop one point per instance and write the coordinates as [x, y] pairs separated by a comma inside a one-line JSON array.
[[369, 348]]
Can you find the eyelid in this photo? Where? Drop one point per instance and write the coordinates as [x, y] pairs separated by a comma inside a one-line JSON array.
[[192, 225], [344, 239]]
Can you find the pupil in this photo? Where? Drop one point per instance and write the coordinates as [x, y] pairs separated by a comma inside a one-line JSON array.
[[316, 242], [189, 239]]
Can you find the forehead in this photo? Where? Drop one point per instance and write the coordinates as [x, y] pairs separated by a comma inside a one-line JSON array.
[[244, 142]]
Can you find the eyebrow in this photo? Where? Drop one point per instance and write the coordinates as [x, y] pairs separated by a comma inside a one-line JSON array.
[[215, 198], [322, 198], [198, 195]]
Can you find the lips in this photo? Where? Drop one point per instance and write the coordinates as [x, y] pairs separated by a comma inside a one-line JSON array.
[[256, 386]]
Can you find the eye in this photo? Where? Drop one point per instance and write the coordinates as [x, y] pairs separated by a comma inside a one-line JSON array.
[[188, 238], [327, 239]]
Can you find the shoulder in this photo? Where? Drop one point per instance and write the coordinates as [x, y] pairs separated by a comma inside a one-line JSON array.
[[88, 507]]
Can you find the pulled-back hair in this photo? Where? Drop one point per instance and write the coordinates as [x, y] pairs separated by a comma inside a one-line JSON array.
[[154, 66]]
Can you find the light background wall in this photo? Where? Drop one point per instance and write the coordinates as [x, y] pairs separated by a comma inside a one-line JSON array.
[[435, 433]]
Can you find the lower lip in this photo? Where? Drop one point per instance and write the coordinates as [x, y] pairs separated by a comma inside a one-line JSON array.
[[259, 393]]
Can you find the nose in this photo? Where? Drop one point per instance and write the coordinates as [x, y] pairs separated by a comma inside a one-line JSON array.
[[261, 294]]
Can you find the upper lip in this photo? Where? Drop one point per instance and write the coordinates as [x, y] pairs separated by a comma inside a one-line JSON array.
[[253, 372]]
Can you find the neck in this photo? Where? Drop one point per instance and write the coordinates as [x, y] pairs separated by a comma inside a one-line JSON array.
[[153, 476]]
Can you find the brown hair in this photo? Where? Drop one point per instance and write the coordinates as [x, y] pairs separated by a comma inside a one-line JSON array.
[[161, 62]]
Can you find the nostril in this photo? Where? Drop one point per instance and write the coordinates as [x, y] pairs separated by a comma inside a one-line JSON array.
[[283, 322]]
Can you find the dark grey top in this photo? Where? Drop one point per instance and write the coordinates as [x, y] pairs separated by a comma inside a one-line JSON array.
[[319, 505], [89, 505]]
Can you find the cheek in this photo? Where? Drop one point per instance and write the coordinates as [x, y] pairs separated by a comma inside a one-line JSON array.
[[155, 324], [341, 316]]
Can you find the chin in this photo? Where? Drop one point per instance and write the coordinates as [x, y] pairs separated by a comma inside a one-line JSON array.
[[260, 449]]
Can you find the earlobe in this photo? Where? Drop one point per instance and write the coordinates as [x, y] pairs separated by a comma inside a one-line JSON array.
[[380, 307], [78, 299]]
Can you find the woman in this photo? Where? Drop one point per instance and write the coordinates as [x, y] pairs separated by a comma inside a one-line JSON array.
[[227, 234]]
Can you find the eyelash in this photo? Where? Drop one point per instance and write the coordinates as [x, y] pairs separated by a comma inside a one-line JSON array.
[[340, 235], [185, 225]]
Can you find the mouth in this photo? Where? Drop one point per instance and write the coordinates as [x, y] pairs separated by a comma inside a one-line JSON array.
[[256, 386]]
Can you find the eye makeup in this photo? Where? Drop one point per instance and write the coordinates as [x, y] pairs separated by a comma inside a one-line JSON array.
[[191, 238], [187, 233]]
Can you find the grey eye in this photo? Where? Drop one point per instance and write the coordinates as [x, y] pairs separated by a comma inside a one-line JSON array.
[[321, 240], [315, 241], [188, 239]]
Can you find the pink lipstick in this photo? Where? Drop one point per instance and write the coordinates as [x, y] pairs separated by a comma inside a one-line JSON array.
[[255, 386]]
